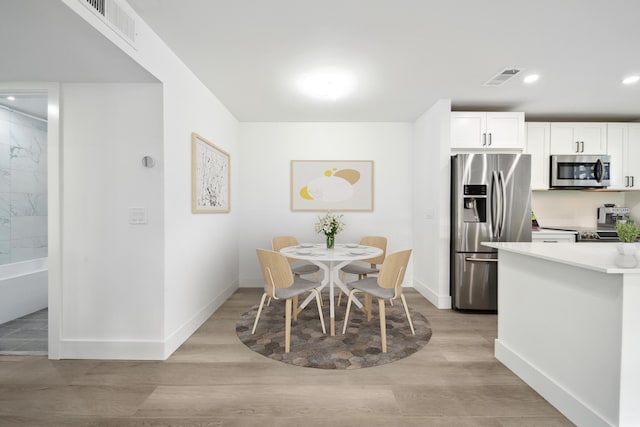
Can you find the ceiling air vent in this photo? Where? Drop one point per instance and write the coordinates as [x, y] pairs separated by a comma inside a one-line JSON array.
[[502, 77], [115, 16]]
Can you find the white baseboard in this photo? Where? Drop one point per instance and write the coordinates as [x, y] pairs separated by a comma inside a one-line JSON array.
[[440, 301], [252, 283], [111, 350], [570, 406], [181, 334], [143, 350]]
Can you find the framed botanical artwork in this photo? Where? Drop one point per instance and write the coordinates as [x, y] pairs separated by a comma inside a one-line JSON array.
[[332, 185], [210, 176]]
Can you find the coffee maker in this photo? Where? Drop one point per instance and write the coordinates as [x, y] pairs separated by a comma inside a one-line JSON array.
[[609, 214]]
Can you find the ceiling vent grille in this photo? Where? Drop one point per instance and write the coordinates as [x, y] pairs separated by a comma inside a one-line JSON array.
[[502, 77], [115, 16]]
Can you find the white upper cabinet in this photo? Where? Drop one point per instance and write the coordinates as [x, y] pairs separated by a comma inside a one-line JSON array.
[[623, 145], [578, 138], [487, 131], [633, 156], [537, 145]]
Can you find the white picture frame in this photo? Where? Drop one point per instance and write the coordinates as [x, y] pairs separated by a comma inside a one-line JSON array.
[[210, 177]]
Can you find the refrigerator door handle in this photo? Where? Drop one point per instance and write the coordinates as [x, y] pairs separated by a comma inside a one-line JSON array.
[[471, 259], [495, 200], [503, 203]]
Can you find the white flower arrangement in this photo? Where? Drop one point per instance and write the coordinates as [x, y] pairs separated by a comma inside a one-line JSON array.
[[330, 224]]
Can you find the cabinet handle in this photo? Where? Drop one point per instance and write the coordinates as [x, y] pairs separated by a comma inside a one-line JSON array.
[[626, 181], [484, 139], [577, 146], [582, 146], [489, 138], [633, 181]]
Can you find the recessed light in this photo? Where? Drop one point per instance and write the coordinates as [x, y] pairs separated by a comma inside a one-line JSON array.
[[531, 78], [631, 79], [11, 98], [327, 84]]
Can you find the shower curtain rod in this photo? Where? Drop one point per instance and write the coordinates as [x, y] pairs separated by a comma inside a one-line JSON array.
[[13, 110]]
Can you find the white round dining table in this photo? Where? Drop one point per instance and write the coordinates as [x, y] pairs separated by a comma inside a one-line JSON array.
[[331, 261]]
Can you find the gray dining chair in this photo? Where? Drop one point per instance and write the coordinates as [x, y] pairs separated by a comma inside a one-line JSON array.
[[387, 286], [280, 283]]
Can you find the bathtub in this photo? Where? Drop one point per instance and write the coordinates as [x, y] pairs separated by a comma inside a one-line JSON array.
[[23, 288]]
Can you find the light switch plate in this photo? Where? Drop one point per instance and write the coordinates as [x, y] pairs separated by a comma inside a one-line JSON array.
[[137, 216]]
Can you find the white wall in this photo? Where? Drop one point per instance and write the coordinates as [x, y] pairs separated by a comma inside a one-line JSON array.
[[200, 259], [431, 206], [632, 201], [266, 150], [112, 294], [572, 207]]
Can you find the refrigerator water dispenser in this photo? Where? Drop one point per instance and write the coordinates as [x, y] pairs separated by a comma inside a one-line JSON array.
[[475, 207]]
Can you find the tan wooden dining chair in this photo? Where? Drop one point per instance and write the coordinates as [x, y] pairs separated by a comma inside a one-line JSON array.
[[360, 268], [387, 286], [298, 267], [280, 283]]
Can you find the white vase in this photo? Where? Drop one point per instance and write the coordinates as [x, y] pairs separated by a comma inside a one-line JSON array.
[[626, 257]]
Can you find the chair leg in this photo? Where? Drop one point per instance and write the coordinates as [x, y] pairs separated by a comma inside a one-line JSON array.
[[383, 325], [318, 299], [346, 314], [268, 301], [296, 308], [367, 304], [406, 310], [259, 311], [287, 326]]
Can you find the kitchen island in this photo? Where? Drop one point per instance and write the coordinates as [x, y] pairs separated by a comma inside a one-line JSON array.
[[569, 326]]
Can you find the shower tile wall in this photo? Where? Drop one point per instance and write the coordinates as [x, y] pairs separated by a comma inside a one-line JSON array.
[[23, 188]]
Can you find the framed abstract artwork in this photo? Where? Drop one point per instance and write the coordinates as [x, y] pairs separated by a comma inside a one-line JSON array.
[[210, 177], [332, 185]]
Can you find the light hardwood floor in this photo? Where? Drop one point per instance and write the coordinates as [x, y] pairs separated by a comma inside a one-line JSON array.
[[214, 380]]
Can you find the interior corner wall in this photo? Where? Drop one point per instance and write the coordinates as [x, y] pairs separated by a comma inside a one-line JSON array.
[[431, 204], [200, 250], [112, 292], [266, 150]]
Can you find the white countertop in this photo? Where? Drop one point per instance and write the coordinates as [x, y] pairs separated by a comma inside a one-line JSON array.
[[591, 256]]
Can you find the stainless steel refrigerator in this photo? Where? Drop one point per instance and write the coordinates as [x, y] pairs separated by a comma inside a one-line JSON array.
[[490, 202]]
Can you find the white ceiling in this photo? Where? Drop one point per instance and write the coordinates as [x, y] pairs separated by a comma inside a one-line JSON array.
[[408, 54], [47, 41]]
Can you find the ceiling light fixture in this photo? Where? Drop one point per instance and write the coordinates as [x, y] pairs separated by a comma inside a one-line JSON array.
[[630, 80], [531, 78], [327, 84], [11, 98]]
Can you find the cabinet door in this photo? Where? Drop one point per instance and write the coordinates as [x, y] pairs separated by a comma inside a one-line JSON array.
[[617, 147], [592, 137], [537, 144], [467, 129], [562, 139], [547, 237], [505, 130], [578, 138], [633, 156]]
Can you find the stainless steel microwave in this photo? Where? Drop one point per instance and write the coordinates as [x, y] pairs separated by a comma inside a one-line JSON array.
[[580, 171]]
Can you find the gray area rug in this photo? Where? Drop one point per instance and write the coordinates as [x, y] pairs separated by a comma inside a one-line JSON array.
[[360, 347]]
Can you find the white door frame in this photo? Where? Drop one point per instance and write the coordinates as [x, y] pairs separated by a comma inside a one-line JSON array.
[[54, 204]]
